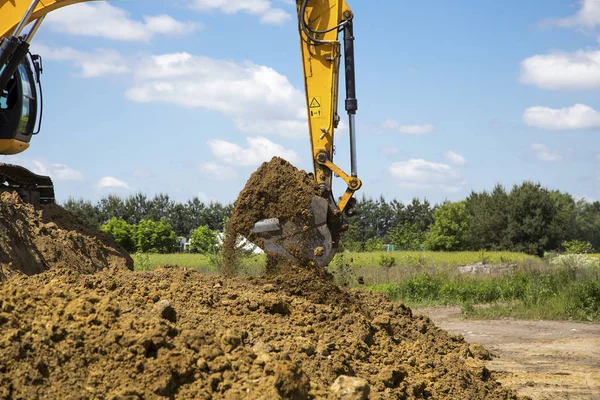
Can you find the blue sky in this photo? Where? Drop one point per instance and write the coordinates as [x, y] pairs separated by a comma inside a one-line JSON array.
[[187, 97]]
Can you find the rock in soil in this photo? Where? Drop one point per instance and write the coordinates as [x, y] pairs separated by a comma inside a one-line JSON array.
[[106, 335], [350, 388], [33, 240]]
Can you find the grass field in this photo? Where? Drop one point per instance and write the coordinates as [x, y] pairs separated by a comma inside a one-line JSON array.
[[355, 260], [533, 289]]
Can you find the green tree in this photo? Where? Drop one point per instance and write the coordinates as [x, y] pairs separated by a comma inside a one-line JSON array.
[[352, 239], [449, 229], [489, 214], [539, 220], [407, 237], [160, 207], [136, 208], [84, 210], [121, 231], [112, 206], [587, 222], [155, 237], [204, 240]]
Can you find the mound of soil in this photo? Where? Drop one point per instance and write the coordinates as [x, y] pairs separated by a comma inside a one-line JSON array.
[[277, 189], [34, 240], [174, 333]]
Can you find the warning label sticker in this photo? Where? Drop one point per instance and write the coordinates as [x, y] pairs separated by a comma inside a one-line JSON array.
[[315, 107]]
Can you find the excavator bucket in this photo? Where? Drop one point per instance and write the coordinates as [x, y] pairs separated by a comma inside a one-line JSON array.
[[299, 243]]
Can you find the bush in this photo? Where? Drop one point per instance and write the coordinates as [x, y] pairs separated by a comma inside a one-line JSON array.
[[574, 261], [122, 232], [386, 261], [577, 247], [204, 240], [374, 244], [407, 236], [155, 237], [449, 229]]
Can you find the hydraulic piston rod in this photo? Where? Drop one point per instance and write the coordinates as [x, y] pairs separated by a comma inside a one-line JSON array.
[[351, 101]]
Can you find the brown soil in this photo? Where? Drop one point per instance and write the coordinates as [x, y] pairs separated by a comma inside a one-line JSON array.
[[174, 333], [276, 189], [76, 323], [34, 240]]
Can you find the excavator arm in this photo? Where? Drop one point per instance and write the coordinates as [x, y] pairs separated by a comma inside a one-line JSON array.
[[320, 23]]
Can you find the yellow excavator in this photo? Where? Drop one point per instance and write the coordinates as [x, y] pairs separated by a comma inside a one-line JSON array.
[[320, 23]]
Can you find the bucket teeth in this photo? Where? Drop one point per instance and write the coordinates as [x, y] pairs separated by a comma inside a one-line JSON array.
[[299, 243]]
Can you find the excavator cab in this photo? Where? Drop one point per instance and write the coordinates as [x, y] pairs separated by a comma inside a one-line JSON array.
[[20, 108], [20, 118]]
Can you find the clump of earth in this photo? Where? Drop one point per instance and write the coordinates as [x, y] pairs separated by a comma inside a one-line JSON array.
[[279, 190], [33, 240]]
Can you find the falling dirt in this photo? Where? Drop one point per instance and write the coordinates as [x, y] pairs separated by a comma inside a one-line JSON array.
[[174, 333], [277, 189], [35, 240]]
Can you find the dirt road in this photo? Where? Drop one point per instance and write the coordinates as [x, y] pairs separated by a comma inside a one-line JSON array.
[[541, 359]]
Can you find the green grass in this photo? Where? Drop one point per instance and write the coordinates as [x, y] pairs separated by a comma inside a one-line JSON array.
[[540, 292], [355, 260], [434, 258]]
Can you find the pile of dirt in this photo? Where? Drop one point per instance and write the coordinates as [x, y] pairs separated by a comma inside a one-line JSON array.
[[35, 240], [174, 333], [277, 189]]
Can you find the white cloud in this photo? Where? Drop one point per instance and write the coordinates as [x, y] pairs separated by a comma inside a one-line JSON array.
[[91, 64], [262, 8], [543, 153], [588, 16], [58, 172], [259, 149], [561, 70], [62, 172], [419, 173], [217, 172], [393, 125], [578, 116], [109, 182], [454, 158], [104, 20], [598, 156], [257, 98]]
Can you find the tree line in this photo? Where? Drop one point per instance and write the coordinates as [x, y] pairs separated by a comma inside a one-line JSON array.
[[527, 218], [183, 218]]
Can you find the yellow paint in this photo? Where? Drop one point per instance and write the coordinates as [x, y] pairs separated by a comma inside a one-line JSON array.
[[321, 65], [12, 146], [13, 10]]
